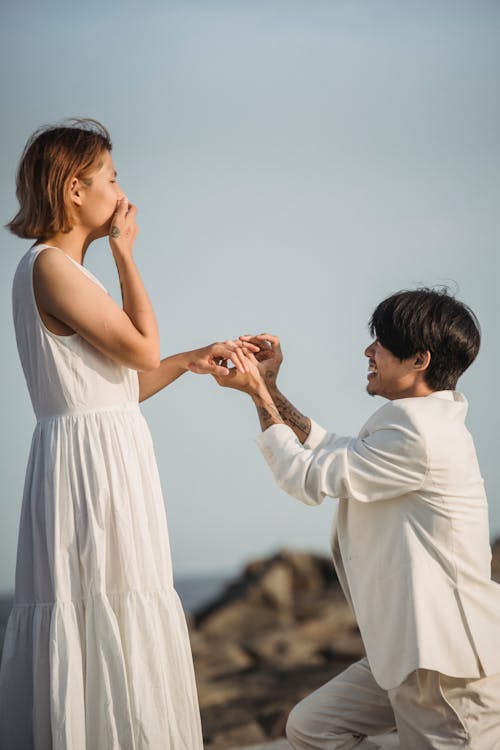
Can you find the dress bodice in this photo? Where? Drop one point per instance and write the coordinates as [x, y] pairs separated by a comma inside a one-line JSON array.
[[65, 374]]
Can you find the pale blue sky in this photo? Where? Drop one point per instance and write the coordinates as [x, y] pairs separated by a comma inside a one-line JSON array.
[[293, 163]]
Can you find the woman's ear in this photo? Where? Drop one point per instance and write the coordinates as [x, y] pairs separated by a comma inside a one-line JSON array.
[[422, 360], [75, 192]]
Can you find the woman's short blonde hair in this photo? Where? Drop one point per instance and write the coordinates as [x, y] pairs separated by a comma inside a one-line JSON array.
[[52, 157]]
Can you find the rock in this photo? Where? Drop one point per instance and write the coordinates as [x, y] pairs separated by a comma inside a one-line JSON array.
[[248, 733], [276, 633], [216, 693], [219, 658], [495, 561], [227, 721], [276, 586], [262, 694], [241, 619], [270, 593], [312, 573], [312, 642], [278, 745]]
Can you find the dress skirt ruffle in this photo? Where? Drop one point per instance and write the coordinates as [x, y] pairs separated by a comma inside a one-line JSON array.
[[96, 653]]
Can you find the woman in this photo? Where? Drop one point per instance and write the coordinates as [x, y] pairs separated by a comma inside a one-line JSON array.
[[96, 653]]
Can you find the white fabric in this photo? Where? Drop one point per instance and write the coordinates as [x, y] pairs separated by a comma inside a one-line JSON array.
[[411, 538], [430, 712], [96, 653]]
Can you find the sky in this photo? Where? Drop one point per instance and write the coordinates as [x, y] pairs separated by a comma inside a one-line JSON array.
[[293, 163]]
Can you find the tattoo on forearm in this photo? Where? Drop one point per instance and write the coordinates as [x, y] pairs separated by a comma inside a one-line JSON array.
[[300, 424], [268, 415]]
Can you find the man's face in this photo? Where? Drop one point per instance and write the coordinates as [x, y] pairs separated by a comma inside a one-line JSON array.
[[391, 377]]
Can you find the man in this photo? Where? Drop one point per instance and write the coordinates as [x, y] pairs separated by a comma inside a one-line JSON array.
[[411, 539]]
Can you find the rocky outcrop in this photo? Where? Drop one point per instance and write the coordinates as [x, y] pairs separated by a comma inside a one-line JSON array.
[[275, 634], [279, 631]]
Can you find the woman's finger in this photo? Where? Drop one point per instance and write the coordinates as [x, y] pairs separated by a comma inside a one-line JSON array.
[[231, 351], [132, 211], [238, 359], [122, 207], [251, 357], [117, 223], [219, 371]]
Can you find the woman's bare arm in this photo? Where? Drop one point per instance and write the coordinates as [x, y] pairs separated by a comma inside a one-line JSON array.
[[65, 293], [128, 335]]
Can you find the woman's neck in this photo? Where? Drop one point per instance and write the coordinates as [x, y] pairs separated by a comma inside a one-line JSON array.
[[74, 243]]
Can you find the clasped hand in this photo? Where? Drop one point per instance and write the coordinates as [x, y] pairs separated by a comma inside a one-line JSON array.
[[214, 359], [262, 358]]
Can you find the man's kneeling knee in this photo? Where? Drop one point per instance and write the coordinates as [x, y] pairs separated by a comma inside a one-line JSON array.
[[299, 725], [305, 728]]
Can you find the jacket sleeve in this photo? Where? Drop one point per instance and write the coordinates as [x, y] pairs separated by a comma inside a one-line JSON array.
[[388, 462]]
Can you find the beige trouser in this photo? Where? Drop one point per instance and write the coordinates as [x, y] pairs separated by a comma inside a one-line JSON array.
[[429, 710]]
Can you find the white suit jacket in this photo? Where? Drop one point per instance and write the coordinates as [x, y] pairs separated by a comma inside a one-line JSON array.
[[411, 538]]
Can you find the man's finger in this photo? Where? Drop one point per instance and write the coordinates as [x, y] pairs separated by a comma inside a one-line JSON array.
[[237, 344], [248, 341], [268, 339]]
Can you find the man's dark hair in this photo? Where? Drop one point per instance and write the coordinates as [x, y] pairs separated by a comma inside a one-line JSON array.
[[421, 320]]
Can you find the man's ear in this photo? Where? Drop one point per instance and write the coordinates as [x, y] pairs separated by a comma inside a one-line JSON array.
[[422, 360]]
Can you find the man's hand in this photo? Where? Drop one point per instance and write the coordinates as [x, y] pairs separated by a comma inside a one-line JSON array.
[[269, 358], [249, 380], [213, 359], [252, 383]]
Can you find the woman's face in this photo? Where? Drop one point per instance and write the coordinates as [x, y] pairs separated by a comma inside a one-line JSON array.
[[98, 196]]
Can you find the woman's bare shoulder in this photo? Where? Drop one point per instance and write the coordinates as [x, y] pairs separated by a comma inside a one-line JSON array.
[[50, 258]]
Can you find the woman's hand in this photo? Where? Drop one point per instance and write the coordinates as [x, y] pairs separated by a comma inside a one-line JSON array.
[[213, 359], [268, 358], [123, 229]]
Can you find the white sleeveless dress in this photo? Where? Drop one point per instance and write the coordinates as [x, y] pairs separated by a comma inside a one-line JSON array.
[[96, 653]]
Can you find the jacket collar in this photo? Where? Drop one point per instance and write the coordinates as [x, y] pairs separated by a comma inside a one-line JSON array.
[[448, 396]]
